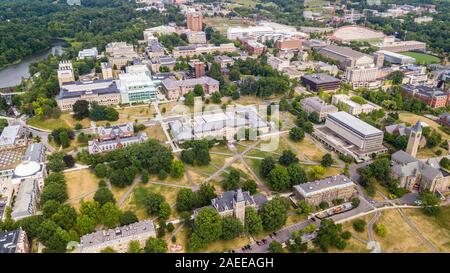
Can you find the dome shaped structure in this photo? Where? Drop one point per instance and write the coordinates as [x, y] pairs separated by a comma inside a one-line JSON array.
[[27, 168]]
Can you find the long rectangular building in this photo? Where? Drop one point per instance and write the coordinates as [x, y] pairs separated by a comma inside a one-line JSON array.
[[195, 50], [346, 56], [326, 190], [117, 238], [350, 136], [103, 92]]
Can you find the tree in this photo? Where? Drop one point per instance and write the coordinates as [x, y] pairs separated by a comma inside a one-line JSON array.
[[189, 99], [234, 75], [134, 247], [62, 136], [103, 195], [177, 170], [231, 228], [327, 160], [50, 207], [279, 179], [274, 213], [205, 194], [297, 174], [162, 175], [109, 215], [65, 217], [69, 161], [296, 134], [55, 189], [208, 225], [445, 163], [100, 170], [236, 95], [85, 224], [287, 158], [359, 225], [253, 223], [355, 202], [198, 90], [56, 162], [232, 181], [275, 247], [186, 200], [316, 172], [430, 203], [91, 209], [153, 202], [108, 249], [328, 236], [250, 186], [80, 109], [164, 210], [380, 230], [144, 176], [314, 117], [396, 77], [127, 217], [267, 165], [304, 208], [216, 97]]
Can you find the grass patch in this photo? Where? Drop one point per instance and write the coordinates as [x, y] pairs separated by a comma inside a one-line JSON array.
[[422, 58], [81, 185]]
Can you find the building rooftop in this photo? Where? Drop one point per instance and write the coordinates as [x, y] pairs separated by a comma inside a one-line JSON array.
[[406, 165], [77, 89], [172, 84], [8, 241], [319, 104], [424, 90], [104, 236], [344, 51], [225, 201], [320, 78], [326, 184], [35, 152], [9, 135], [360, 126]]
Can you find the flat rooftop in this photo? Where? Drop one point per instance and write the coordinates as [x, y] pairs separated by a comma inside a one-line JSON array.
[[355, 123], [320, 78], [326, 184]]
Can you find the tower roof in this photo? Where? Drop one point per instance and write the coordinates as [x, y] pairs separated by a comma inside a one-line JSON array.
[[239, 196], [417, 127]]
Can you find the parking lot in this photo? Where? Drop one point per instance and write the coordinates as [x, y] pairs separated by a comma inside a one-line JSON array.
[[9, 158]]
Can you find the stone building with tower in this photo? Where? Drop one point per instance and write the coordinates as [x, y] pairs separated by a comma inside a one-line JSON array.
[[416, 175], [234, 203], [65, 72], [414, 139]]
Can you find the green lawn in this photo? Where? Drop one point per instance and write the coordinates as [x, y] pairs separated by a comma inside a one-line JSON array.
[[422, 58]]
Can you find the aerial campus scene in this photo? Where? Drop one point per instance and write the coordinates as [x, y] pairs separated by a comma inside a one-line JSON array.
[[234, 126]]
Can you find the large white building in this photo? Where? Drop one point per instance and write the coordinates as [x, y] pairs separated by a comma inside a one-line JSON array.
[[315, 104], [88, 53], [219, 124], [264, 31], [136, 85], [396, 58], [350, 136], [352, 107]]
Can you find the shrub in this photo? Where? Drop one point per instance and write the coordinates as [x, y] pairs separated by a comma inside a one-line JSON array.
[[359, 225]]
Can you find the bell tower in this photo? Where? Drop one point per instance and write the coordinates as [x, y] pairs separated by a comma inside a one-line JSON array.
[[414, 139]]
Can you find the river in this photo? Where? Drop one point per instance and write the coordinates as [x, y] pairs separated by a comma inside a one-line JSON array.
[[12, 75]]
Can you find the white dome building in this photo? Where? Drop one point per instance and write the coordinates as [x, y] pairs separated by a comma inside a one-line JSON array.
[[27, 168]]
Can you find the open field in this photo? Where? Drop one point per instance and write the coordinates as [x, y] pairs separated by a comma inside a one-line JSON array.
[[422, 58], [436, 230], [305, 149], [81, 185], [65, 120], [400, 237], [222, 245], [156, 132], [222, 24], [246, 3]]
